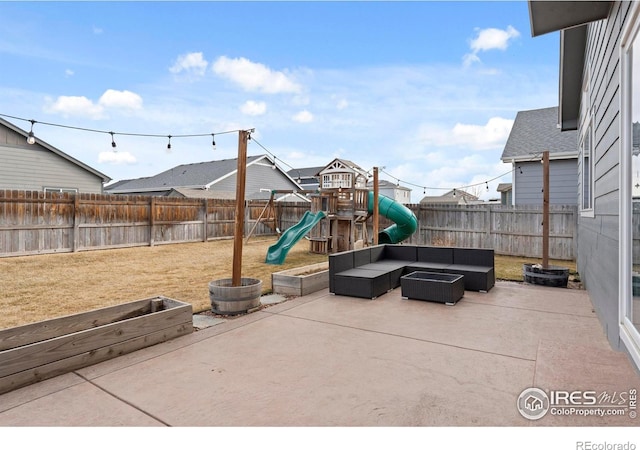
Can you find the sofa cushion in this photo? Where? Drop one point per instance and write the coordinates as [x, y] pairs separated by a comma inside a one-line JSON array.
[[441, 255], [473, 257], [476, 278], [361, 257], [420, 266], [400, 252], [377, 253]]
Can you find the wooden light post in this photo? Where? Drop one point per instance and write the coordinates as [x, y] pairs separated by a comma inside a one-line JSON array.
[[545, 209], [375, 206], [241, 177]]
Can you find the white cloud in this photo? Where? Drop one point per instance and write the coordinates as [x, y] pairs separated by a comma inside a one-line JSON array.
[[251, 108], [492, 135], [342, 104], [83, 106], [116, 158], [68, 73], [489, 39], [193, 63], [303, 117], [97, 30], [120, 99], [75, 106], [253, 76]]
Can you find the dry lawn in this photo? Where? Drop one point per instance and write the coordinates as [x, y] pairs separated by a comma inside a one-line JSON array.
[[35, 288]]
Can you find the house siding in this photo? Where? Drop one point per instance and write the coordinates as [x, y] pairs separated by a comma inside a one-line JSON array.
[[32, 167], [598, 232], [563, 189]]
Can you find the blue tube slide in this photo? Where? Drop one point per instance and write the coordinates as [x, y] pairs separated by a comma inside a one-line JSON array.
[[405, 220]]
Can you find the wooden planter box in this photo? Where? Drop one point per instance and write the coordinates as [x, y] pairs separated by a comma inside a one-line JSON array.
[[42, 350], [301, 280]]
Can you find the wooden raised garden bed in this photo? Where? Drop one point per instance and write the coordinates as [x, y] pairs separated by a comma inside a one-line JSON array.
[[42, 350], [301, 280]]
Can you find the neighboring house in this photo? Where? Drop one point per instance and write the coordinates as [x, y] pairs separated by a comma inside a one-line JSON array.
[[41, 166], [599, 73], [534, 132], [306, 177], [212, 179], [400, 194], [453, 197], [506, 193]]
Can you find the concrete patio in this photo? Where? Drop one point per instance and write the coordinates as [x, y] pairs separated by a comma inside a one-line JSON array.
[[325, 360]]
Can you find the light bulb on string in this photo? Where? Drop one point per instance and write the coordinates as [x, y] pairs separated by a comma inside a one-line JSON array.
[[113, 142], [213, 141], [31, 139]]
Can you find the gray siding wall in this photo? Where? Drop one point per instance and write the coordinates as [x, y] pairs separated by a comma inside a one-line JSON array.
[[563, 182], [259, 176], [32, 167], [598, 236]]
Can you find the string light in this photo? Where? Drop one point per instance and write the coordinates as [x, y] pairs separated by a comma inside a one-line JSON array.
[[213, 140], [31, 139], [169, 143]]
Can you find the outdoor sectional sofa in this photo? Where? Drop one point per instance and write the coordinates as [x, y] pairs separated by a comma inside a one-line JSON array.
[[373, 271]]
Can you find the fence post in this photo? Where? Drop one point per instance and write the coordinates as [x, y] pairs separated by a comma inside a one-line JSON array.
[[205, 218], [152, 209], [488, 230], [76, 221]]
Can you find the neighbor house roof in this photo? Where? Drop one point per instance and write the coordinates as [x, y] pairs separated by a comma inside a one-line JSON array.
[[388, 184], [504, 187], [305, 172], [454, 196], [536, 131], [51, 148], [193, 176]]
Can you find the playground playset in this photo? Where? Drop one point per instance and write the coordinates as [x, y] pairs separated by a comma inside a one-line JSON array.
[[339, 212]]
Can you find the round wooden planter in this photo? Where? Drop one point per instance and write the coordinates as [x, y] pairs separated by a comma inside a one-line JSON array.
[[554, 276], [229, 300]]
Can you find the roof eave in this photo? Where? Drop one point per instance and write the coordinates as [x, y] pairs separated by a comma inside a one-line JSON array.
[[549, 16], [572, 48]]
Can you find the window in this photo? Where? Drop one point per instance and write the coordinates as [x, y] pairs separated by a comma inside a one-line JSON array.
[[629, 176], [336, 180], [587, 170], [61, 190]]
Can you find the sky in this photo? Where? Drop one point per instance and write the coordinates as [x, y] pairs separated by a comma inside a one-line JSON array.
[[425, 90]]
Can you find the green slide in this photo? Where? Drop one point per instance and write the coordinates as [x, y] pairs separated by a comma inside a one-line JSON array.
[[278, 251], [405, 220]]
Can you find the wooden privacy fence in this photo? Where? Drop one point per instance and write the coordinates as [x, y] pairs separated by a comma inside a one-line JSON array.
[[33, 222], [509, 230], [512, 231]]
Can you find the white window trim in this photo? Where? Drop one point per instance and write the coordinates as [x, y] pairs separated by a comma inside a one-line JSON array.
[[587, 123], [588, 211], [627, 331], [60, 189]]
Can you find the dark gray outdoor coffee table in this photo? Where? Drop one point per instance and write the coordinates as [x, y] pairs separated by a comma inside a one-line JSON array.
[[433, 286]]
